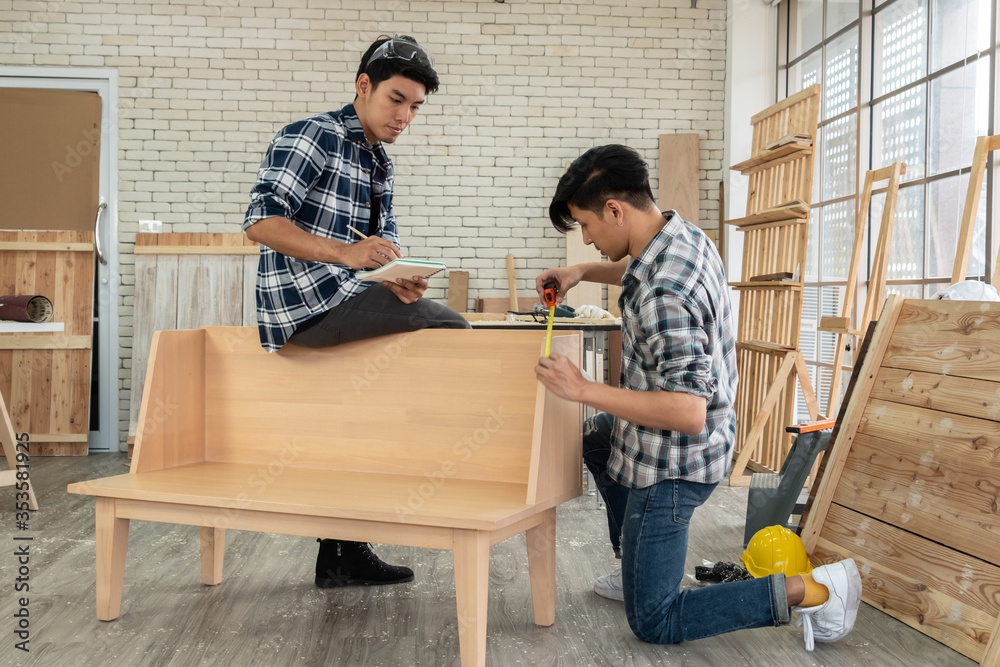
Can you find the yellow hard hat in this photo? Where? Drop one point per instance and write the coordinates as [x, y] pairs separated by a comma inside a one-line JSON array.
[[776, 549]]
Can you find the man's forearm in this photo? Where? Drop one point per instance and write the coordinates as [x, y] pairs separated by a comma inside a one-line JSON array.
[[282, 235], [667, 410], [609, 273]]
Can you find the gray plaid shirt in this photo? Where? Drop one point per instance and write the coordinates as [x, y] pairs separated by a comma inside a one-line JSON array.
[[677, 335]]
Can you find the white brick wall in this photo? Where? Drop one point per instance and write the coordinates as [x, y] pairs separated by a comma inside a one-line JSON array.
[[526, 86]]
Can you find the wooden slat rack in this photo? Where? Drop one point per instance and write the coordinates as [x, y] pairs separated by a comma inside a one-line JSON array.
[[775, 232]]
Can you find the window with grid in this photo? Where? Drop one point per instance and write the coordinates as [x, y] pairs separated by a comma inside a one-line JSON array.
[[902, 80]]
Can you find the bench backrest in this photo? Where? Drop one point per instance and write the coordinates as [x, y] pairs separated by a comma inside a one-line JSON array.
[[436, 403]]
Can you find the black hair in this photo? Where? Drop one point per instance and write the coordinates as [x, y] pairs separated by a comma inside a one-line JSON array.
[[382, 69], [602, 173]]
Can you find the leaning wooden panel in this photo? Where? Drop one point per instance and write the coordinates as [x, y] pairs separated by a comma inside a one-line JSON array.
[[911, 487]]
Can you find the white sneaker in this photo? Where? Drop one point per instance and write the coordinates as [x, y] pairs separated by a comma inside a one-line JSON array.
[[610, 586], [835, 618]]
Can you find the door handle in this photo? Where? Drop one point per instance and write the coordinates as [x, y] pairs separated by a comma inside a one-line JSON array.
[[97, 232]]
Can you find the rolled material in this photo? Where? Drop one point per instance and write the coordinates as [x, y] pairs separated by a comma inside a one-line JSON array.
[[25, 308]]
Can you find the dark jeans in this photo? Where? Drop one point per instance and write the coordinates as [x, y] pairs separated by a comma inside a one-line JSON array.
[[374, 312], [651, 524], [596, 452]]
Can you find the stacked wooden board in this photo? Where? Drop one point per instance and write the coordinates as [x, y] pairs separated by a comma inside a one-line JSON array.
[[910, 486]]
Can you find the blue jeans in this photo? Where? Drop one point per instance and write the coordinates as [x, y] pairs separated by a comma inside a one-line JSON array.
[[654, 535]]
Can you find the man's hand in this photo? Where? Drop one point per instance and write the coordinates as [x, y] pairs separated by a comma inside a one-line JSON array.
[[561, 377], [369, 253], [408, 291], [565, 278]]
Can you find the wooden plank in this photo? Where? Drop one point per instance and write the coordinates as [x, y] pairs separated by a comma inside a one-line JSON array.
[[458, 291], [501, 304], [800, 138], [680, 176], [155, 310], [228, 273], [614, 294], [790, 211], [964, 396], [250, 291], [764, 347], [197, 250], [771, 277], [46, 246], [908, 585], [946, 338], [783, 105], [969, 213], [511, 284], [58, 437], [955, 513], [556, 436], [918, 559], [585, 293], [44, 342], [773, 157]]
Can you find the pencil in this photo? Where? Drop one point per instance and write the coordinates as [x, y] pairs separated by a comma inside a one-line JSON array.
[[363, 236]]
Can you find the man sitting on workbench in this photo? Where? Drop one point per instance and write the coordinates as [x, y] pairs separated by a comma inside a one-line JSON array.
[[664, 439], [322, 208]]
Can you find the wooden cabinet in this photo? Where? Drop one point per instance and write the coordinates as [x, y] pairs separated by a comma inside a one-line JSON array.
[[46, 376]]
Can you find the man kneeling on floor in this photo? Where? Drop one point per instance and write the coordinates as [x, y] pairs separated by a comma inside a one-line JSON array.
[[664, 440]]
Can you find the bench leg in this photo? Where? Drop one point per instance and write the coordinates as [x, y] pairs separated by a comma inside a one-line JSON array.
[[542, 568], [472, 580], [112, 541], [213, 546]]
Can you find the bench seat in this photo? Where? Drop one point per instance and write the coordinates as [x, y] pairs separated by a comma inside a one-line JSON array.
[[371, 496]]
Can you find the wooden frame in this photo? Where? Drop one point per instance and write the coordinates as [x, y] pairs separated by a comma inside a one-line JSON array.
[[984, 146], [909, 487], [9, 441], [485, 454], [876, 285], [775, 231]]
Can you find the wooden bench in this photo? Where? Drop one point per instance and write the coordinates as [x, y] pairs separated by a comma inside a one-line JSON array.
[[441, 439]]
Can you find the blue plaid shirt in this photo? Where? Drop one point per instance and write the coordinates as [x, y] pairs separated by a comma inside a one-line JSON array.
[[319, 173], [677, 335]]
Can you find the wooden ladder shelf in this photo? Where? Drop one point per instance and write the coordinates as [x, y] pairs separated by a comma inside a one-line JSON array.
[[775, 232]]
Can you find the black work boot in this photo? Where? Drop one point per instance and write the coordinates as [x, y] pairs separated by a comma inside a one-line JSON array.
[[343, 563]]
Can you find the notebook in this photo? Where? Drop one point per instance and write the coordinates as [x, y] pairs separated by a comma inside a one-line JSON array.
[[401, 268]]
